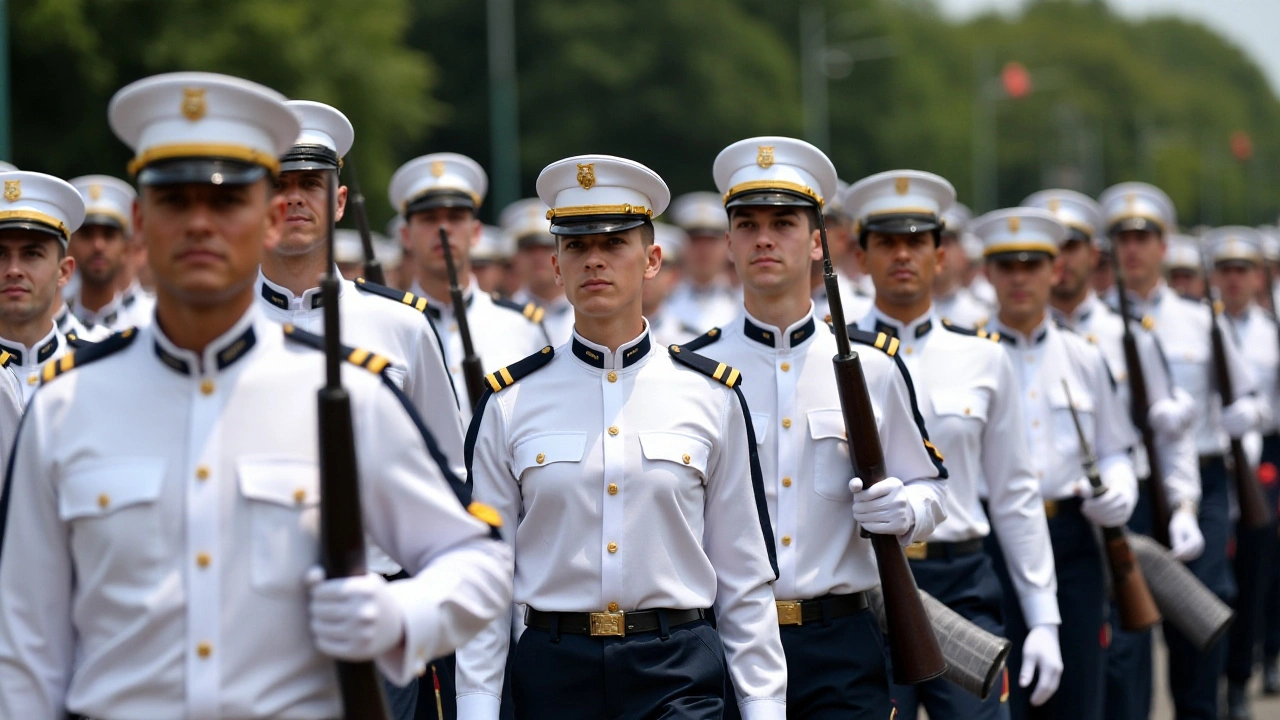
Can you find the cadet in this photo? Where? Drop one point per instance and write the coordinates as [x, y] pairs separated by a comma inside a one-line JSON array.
[[1184, 267], [1236, 253], [161, 530], [1270, 635], [1138, 218], [40, 213], [526, 221], [1075, 306], [491, 258], [444, 191], [665, 327], [853, 300], [1021, 244], [704, 298], [968, 395], [773, 189], [952, 300], [625, 479], [103, 248]]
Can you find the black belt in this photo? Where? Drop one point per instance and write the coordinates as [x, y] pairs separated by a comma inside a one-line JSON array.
[[827, 607], [1053, 508], [942, 550], [1206, 460], [610, 624]]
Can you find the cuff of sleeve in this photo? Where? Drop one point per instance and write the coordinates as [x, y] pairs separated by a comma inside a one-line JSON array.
[[409, 660], [922, 504], [1040, 608], [758, 709], [478, 706]]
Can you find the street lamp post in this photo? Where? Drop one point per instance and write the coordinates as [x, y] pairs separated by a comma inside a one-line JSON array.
[[504, 111]]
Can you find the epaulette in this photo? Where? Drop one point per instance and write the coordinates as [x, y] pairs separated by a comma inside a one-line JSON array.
[[531, 310], [6, 357], [76, 342], [507, 376], [978, 332], [717, 371], [90, 352], [880, 341], [372, 362], [702, 340], [408, 298]]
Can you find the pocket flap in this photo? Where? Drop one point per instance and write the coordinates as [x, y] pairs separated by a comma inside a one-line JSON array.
[[291, 482], [549, 448], [962, 404], [677, 448], [105, 485], [825, 424], [1058, 398]]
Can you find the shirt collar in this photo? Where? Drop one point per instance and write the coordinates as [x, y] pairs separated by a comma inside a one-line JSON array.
[[1080, 315], [599, 356], [226, 350], [36, 354], [914, 330], [281, 297], [1012, 337], [789, 338], [437, 309]]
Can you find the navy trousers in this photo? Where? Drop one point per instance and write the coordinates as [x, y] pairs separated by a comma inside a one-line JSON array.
[[1269, 476], [1084, 632], [967, 584], [650, 676], [1129, 660], [1193, 675]]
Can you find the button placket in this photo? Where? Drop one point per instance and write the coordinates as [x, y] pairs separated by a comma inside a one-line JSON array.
[[613, 484], [205, 481], [791, 448]]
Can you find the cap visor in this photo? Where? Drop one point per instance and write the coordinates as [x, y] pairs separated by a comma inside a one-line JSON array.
[[305, 164], [103, 220], [20, 224], [1236, 262], [1136, 223], [536, 240], [201, 171], [1021, 256], [770, 197], [597, 225], [901, 224], [430, 201]]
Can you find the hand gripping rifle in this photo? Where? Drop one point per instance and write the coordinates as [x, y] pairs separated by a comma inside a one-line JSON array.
[[1139, 412], [372, 266], [1254, 510], [341, 521], [472, 373], [913, 646], [1137, 607]]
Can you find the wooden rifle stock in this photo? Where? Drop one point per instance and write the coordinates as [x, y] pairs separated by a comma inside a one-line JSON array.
[[342, 552], [913, 646], [472, 373], [1136, 605], [1140, 412], [372, 266]]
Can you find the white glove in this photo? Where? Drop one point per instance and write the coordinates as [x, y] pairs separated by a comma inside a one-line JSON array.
[[1184, 536], [1172, 416], [1041, 652], [1240, 417], [1110, 509], [883, 508], [354, 618]]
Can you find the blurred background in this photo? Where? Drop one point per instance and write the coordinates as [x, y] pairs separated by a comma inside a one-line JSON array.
[[1002, 97]]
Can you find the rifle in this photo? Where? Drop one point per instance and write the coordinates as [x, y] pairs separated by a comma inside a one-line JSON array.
[[341, 521], [1139, 412], [913, 645], [472, 373], [1137, 607], [1254, 509], [1271, 298], [372, 266]]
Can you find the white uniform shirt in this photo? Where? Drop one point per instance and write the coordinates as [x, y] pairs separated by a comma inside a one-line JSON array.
[[624, 483], [131, 307], [28, 362], [790, 386], [69, 324], [557, 316], [1101, 326], [11, 407], [961, 309], [703, 308], [162, 514], [967, 392], [854, 303], [500, 335], [1255, 336], [667, 329], [1041, 362]]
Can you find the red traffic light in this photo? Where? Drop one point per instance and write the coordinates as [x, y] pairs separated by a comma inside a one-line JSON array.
[[1016, 80], [1241, 145]]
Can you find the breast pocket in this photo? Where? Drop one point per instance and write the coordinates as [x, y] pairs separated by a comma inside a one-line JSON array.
[[677, 455], [283, 498], [547, 449], [831, 465], [958, 414], [111, 503], [1066, 439]]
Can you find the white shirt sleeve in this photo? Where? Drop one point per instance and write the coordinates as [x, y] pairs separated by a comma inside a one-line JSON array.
[[431, 389], [906, 456], [1177, 454]]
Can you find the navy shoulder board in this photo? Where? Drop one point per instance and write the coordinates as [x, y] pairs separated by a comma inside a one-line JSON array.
[[509, 375], [702, 340], [370, 361], [715, 370], [88, 352], [408, 298], [531, 310]]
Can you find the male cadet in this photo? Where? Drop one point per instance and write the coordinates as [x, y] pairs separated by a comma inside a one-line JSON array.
[[1075, 306], [39, 214], [526, 221], [444, 191], [1184, 266], [490, 257], [1138, 217], [103, 248], [161, 530], [1020, 246], [1236, 254], [968, 394], [627, 481], [952, 300], [664, 326], [773, 189], [840, 243], [704, 298]]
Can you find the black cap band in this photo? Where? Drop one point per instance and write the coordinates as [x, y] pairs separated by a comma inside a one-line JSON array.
[[310, 157], [442, 198], [779, 197], [201, 171], [596, 224]]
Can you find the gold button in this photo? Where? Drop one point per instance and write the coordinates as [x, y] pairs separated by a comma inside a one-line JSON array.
[[1030, 359], [204, 650], [203, 560], [33, 379], [103, 501], [786, 367], [541, 458], [907, 351], [613, 488], [1035, 423], [613, 547], [966, 411], [1032, 394], [786, 539], [206, 387], [786, 482], [613, 607], [202, 472], [786, 422], [299, 495], [1040, 474], [613, 376], [686, 458], [613, 430]]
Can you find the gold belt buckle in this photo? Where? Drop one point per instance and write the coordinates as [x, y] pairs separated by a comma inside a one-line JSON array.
[[789, 612], [1050, 509], [917, 551], [608, 624]]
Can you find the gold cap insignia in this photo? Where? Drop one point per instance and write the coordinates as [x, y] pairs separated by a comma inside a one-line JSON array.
[[12, 190], [437, 168], [764, 156], [1130, 200], [587, 175], [1015, 224], [902, 185], [193, 103], [95, 191], [1054, 204]]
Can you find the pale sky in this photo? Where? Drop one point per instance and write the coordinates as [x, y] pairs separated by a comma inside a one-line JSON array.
[[1253, 25]]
